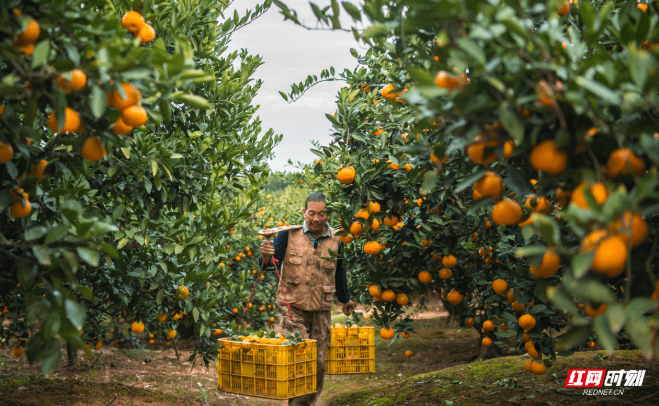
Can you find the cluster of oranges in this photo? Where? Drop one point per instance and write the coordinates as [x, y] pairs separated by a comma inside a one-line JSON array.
[[134, 22], [26, 39], [387, 295]]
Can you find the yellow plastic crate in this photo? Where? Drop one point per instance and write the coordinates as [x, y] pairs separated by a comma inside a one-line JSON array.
[[351, 351], [267, 371]]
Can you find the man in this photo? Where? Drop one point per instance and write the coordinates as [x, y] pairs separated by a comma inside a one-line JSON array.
[[310, 276]]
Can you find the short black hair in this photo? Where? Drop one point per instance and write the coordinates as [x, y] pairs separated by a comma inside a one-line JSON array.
[[315, 197]]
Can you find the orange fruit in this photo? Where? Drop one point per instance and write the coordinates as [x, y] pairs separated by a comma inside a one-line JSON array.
[[538, 367], [476, 151], [93, 149], [134, 116], [373, 207], [508, 147], [408, 353], [527, 365], [454, 297], [591, 344], [445, 273], [78, 81], [137, 327], [388, 93], [631, 226], [151, 341], [446, 81], [387, 333], [398, 226], [18, 351], [548, 158], [30, 34], [565, 8], [500, 286], [71, 121], [489, 185], [393, 166], [527, 322], [39, 169], [510, 296], [374, 291], [346, 175], [517, 306], [132, 21], [171, 334], [488, 224], [133, 96], [487, 342], [405, 335], [538, 204], [356, 228], [470, 321], [6, 152], [20, 210], [363, 213], [162, 317], [592, 312], [598, 190], [488, 325], [610, 256], [346, 239], [402, 299], [390, 220], [372, 248], [121, 128], [449, 261], [548, 267], [388, 295], [591, 240], [507, 212], [642, 6], [146, 34], [424, 277], [182, 293], [623, 161]]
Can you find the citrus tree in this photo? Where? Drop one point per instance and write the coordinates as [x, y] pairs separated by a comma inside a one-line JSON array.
[[129, 149], [546, 111]]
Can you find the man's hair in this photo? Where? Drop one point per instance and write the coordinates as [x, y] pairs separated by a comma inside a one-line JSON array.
[[314, 197]]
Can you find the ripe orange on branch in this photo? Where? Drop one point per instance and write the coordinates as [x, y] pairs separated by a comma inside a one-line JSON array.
[[182, 293], [372, 247], [6, 152], [93, 149], [346, 175], [631, 226], [454, 297], [527, 322], [598, 190], [387, 333], [449, 261], [547, 157], [623, 161], [132, 21], [71, 121], [424, 277], [500, 286], [507, 212], [548, 267], [489, 185]]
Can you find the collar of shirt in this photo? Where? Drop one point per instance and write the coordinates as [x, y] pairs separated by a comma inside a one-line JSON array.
[[305, 229]]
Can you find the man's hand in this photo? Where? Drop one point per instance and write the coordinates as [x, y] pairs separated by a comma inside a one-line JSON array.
[[348, 308], [267, 250]]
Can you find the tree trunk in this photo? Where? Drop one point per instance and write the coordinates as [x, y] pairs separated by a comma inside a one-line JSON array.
[[484, 352], [71, 354], [454, 311]]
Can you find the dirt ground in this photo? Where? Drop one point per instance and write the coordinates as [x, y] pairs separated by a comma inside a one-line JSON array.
[[157, 377]]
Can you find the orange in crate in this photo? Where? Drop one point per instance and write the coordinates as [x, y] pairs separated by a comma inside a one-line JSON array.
[[267, 370], [351, 351]]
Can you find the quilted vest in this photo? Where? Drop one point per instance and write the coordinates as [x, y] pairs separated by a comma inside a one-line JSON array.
[[307, 278]]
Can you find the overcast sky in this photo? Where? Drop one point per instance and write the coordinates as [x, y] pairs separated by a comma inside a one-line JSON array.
[[290, 53]]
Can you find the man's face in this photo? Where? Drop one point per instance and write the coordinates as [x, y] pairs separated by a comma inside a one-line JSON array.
[[315, 215]]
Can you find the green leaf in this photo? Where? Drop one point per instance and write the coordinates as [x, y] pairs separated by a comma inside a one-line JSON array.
[[511, 122], [581, 263], [604, 335], [56, 233], [98, 101], [42, 254], [90, 256], [575, 337], [352, 10], [605, 94], [35, 233], [518, 182], [375, 30], [75, 313], [468, 181], [191, 100], [40, 54], [473, 50]]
